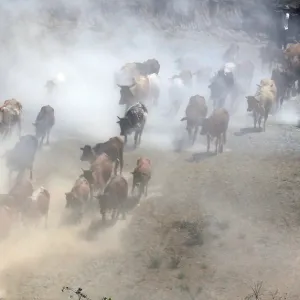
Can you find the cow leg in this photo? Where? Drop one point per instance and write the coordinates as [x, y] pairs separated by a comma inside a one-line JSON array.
[[217, 144], [136, 138], [116, 166], [125, 139], [208, 142], [254, 119], [265, 119], [121, 161], [259, 121], [133, 186], [48, 137], [195, 134], [146, 189], [189, 130], [220, 144]]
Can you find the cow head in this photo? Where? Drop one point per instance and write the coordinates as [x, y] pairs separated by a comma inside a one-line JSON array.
[[152, 66], [205, 126], [87, 153], [252, 103], [72, 201], [124, 125], [125, 93], [88, 175]]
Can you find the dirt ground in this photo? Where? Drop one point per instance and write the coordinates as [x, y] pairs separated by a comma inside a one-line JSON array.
[[210, 228]]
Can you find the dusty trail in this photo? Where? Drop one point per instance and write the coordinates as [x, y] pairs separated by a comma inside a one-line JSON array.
[[248, 197]]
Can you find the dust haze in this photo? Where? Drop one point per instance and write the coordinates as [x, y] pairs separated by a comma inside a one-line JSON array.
[[208, 229]]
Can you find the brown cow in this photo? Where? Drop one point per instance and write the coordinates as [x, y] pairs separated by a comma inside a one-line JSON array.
[[99, 173], [114, 197], [79, 195], [141, 176], [216, 127], [114, 148], [44, 123], [195, 112], [261, 104], [10, 116], [38, 205]]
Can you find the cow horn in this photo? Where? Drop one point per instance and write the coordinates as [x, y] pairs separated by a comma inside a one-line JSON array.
[[118, 117], [34, 124], [258, 85]]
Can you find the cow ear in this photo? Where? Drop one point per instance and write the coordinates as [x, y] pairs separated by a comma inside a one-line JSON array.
[[132, 173], [34, 124], [82, 149]]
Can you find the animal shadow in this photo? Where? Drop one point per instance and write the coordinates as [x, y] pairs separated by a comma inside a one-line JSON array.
[[247, 130], [196, 157]]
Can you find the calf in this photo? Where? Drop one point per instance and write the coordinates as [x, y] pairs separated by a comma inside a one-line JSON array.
[[141, 176], [216, 127], [114, 197], [22, 156], [99, 173], [44, 123], [114, 148], [261, 105], [134, 121], [195, 112], [38, 205], [78, 196]]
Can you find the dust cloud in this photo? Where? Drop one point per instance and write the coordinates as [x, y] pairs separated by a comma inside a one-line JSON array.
[[81, 45]]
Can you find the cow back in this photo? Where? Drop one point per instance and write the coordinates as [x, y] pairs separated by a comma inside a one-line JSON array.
[[102, 168], [117, 187], [196, 108], [218, 121], [81, 187], [141, 89], [136, 115]]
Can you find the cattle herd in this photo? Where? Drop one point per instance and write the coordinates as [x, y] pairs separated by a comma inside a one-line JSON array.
[[140, 87]]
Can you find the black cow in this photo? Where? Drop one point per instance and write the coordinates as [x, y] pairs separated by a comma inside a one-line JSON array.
[[222, 84], [22, 156], [134, 121], [44, 123]]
